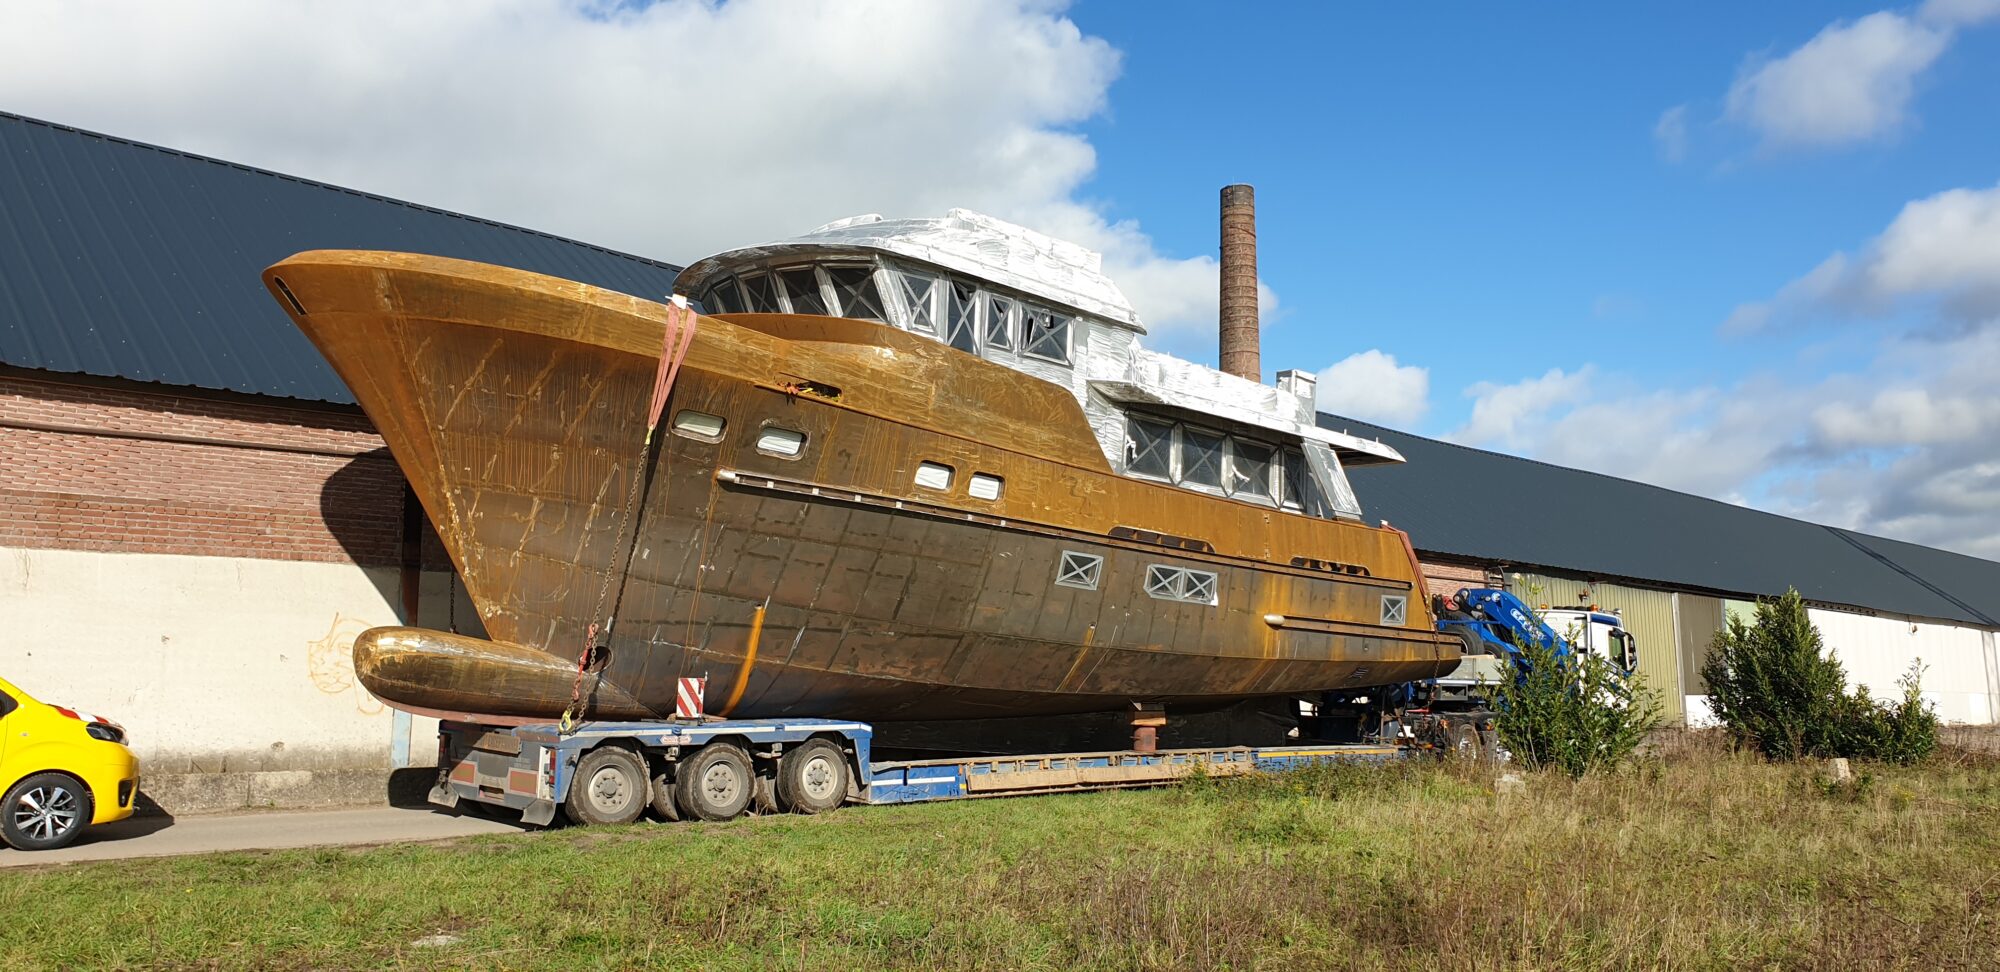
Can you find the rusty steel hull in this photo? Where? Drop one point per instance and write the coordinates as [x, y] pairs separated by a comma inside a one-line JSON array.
[[826, 584]]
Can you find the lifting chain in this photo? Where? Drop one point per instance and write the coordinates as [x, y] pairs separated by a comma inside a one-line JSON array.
[[677, 336]]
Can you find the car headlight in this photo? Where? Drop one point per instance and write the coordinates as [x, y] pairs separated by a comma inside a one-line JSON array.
[[105, 731]]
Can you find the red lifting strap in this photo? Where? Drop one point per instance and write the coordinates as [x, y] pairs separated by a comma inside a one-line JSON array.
[[676, 338]]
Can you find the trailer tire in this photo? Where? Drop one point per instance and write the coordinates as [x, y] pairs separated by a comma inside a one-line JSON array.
[[609, 787], [716, 783], [812, 778], [663, 798]]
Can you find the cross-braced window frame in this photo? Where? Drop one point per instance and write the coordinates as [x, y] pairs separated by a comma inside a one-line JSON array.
[[1079, 570], [1166, 582]]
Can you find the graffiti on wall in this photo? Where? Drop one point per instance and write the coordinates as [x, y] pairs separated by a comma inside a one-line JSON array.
[[330, 663]]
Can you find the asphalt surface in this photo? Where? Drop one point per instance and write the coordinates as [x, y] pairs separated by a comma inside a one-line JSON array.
[[161, 836]]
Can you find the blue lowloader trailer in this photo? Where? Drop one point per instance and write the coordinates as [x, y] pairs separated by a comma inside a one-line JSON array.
[[612, 772]]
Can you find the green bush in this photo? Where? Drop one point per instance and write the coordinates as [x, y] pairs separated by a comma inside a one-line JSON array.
[[1774, 686], [1573, 713]]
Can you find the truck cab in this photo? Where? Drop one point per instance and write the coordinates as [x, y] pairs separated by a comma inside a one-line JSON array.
[[1595, 632]]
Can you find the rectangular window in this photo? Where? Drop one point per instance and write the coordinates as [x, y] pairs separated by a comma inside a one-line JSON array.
[[1201, 458], [1293, 480], [760, 295], [961, 320], [1080, 570], [1167, 583], [919, 300], [984, 486], [854, 289], [802, 289], [1045, 334], [1149, 448], [999, 322], [781, 441], [698, 425], [1250, 469], [933, 475]]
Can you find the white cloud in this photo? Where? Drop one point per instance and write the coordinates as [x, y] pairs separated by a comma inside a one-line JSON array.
[[1959, 13], [1671, 133], [671, 129], [1850, 83], [1942, 249], [1507, 415], [1372, 387]]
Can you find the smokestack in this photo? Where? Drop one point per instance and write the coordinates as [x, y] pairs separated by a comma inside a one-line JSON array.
[[1239, 283]]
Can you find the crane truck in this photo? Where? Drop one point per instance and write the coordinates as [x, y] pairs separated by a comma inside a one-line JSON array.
[[1456, 711]]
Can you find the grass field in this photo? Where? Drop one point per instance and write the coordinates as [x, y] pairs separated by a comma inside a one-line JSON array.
[[1697, 860]]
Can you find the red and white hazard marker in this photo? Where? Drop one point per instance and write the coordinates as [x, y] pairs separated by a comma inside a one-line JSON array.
[[687, 701]]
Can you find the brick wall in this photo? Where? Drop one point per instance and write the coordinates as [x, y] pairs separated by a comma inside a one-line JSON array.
[[1443, 578], [133, 469]]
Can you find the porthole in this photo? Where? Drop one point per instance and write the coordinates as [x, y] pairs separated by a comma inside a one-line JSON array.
[[699, 425], [779, 441], [985, 486], [934, 475]]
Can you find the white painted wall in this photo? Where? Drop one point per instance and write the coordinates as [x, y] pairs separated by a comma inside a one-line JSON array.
[[1960, 670], [212, 664]]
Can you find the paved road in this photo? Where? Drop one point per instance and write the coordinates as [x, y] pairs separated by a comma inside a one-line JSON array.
[[166, 836]]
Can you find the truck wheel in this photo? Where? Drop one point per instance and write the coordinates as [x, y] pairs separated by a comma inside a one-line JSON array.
[[1464, 740], [609, 787], [812, 778], [716, 783], [44, 812]]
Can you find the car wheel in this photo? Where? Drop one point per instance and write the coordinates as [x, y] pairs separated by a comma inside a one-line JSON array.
[[609, 787], [716, 783], [812, 778], [44, 812]]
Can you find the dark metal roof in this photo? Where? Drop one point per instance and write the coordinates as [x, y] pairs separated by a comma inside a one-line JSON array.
[[126, 260], [1467, 502]]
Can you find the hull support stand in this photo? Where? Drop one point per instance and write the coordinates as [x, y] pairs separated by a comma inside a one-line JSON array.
[[1148, 718]]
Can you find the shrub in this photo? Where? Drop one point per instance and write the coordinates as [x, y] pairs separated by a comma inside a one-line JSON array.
[[1773, 685], [1574, 712]]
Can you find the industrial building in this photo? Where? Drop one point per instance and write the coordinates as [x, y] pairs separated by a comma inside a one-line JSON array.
[[195, 520]]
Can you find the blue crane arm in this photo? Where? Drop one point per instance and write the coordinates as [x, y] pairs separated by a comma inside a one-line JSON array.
[[1500, 621]]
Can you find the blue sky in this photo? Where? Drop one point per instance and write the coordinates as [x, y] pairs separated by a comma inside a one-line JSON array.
[[1481, 193], [1748, 251]]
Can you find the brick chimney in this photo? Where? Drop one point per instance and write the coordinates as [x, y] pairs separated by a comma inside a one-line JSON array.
[[1239, 283]]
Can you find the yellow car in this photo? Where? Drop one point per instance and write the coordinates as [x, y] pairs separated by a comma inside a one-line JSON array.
[[60, 771]]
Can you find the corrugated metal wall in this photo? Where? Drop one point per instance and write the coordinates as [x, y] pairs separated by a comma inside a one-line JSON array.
[[1877, 650], [1648, 615], [1700, 619]]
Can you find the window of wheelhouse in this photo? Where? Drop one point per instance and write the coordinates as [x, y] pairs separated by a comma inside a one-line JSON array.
[[977, 319], [760, 293], [802, 290], [854, 292], [723, 297]]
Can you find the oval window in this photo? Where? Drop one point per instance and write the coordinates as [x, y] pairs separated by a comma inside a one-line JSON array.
[[984, 486], [781, 442], [933, 475], [699, 425]]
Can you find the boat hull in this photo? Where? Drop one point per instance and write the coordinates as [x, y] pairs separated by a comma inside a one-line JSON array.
[[825, 584]]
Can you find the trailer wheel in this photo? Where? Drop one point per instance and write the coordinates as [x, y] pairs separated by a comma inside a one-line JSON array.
[[609, 787], [663, 799], [716, 783], [812, 778]]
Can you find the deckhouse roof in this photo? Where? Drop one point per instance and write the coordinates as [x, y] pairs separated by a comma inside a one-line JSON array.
[[971, 243]]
